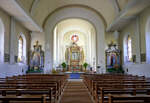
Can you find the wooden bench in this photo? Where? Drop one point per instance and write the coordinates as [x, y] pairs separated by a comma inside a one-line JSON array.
[[115, 84], [103, 94], [22, 98], [129, 99], [51, 85]]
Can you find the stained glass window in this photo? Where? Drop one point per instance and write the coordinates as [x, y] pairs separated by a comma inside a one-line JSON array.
[[129, 48], [20, 49]]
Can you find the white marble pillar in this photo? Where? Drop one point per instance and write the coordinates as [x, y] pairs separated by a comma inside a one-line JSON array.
[[116, 36]]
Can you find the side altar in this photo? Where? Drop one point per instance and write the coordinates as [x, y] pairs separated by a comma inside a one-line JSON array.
[[36, 63]]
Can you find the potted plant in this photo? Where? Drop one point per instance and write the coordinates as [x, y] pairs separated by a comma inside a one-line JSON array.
[[64, 65], [85, 65], [54, 71]]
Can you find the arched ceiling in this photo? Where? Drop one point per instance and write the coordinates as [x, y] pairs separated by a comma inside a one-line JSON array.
[[43, 8], [75, 25], [80, 27], [33, 14], [122, 3], [27, 4]]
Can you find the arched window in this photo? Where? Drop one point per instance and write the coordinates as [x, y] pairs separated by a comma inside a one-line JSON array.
[[129, 48], [1, 41], [20, 49]]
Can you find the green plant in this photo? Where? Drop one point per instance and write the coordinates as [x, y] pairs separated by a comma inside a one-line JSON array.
[[115, 70], [64, 65], [85, 65], [54, 71]]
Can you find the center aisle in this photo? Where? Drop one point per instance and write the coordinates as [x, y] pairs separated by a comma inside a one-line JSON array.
[[76, 92]]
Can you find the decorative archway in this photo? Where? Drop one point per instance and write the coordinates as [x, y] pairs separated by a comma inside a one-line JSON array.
[[1, 41], [147, 39], [75, 12], [63, 38]]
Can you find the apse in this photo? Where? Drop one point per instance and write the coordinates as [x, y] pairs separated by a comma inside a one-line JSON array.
[[64, 33]]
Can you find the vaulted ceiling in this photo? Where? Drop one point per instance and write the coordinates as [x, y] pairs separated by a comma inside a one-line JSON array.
[[122, 3], [34, 13], [40, 9]]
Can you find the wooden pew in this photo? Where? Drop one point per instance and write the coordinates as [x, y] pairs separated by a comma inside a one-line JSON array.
[[23, 92], [116, 84], [29, 98], [116, 91], [39, 82], [129, 99]]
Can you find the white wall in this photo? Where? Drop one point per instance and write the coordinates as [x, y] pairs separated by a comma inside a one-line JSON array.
[[38, 36], [138, 69], [11, 47], [1, 41], [10, 70], [147, 38]]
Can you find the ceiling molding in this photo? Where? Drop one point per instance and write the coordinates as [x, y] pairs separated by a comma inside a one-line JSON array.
[[116, 6], [34, 5], [15, 9], [76, 5]]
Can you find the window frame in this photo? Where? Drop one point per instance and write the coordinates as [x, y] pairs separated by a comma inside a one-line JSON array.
[[20, 49], [129, 49]]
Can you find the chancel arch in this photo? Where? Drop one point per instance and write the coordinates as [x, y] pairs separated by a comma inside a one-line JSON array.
[[1, 41], [77, 31], [75, 12], [147, 39]]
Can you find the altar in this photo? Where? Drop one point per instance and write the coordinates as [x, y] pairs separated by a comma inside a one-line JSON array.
[[74, 56]]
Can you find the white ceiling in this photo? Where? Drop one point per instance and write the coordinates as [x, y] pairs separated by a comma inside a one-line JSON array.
[[74, 25], [34, 13]]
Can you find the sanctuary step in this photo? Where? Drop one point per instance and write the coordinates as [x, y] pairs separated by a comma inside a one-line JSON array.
[[76, 92]]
